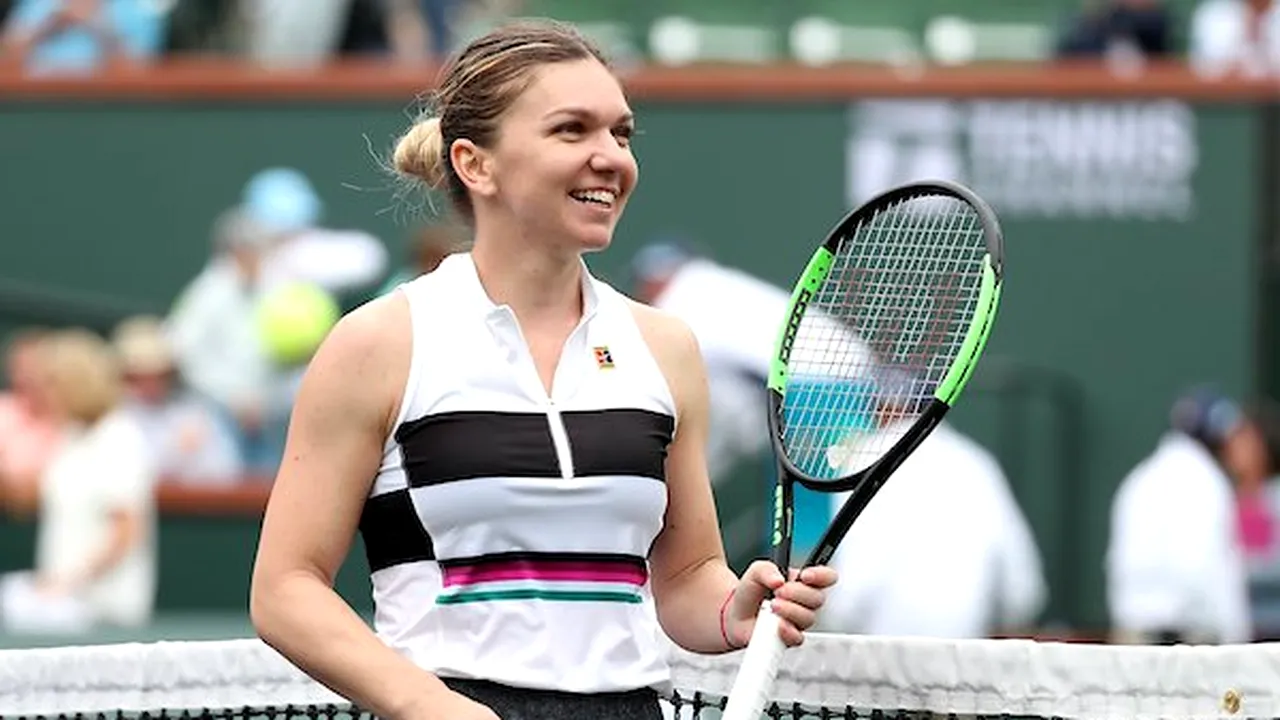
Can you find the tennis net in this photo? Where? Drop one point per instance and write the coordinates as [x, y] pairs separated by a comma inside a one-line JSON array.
[[831, 676]]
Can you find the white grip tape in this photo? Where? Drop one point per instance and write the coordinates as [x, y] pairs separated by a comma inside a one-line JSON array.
[[760, 662]]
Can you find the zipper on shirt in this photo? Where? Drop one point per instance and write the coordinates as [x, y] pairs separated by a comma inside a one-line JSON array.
[[560, 437]]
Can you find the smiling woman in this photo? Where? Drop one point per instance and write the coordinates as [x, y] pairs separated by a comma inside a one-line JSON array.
[[520, 446], [565, 129]]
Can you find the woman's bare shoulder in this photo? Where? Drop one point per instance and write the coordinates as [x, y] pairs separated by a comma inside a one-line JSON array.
[[675, 348], [364, 361], [668, 337]]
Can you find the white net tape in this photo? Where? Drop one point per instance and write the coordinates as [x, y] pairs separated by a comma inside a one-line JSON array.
[[983, 677]]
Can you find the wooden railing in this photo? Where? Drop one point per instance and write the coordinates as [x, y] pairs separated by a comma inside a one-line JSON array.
[[212, 79], [247, 498]]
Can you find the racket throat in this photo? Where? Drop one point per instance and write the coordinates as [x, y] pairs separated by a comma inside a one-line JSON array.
[[783, 509]]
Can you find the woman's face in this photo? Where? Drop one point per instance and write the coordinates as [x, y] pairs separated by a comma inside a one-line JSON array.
[[1246, 457], [562, 163]]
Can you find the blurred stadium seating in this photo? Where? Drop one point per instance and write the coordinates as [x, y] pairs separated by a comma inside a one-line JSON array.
[[825, 31]]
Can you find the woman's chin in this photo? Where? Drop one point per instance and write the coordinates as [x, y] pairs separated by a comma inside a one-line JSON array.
[[594, 239]]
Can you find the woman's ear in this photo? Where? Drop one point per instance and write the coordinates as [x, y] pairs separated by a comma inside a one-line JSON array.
[[474, 167]]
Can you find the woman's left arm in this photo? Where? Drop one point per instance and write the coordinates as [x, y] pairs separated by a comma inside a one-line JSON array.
[[702, 605]]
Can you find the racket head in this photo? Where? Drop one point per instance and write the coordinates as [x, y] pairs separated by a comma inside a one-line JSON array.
[[851, 347], [885, 327]]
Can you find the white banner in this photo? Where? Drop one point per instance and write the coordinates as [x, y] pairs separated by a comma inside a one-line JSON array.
[[1132, 160]]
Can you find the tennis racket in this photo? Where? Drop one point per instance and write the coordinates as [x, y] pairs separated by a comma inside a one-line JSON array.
[[884, 330]]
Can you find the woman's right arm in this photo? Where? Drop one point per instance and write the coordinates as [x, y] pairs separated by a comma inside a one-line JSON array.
[[347, 404]]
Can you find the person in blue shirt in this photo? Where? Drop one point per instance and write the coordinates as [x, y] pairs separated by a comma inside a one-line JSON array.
[[79, 36]]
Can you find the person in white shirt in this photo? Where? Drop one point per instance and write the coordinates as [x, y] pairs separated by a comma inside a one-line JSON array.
[[943, 550], [1234, 36], [1175, 567], [291, 33], [214, 336], [95, 546]]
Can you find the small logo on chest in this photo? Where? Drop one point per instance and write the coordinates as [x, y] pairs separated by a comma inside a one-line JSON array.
[[604, 358]]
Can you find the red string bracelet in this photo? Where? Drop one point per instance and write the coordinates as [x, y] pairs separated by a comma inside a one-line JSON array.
[[724, 631]]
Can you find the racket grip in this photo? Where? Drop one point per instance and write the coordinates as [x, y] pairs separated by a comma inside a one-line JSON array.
[[751, 688]]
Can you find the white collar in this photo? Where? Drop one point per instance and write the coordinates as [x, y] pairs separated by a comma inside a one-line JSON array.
[[465, 266]]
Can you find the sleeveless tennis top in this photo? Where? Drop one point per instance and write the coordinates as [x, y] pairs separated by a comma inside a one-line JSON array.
[[507, 532]]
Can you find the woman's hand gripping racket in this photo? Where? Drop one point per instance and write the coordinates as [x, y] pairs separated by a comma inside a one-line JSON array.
[[884, 330]]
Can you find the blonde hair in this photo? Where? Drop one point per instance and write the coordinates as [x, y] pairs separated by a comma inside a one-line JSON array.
[[83, 374], [474, 90]]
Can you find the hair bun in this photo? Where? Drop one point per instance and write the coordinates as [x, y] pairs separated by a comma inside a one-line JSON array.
[[420, 153]]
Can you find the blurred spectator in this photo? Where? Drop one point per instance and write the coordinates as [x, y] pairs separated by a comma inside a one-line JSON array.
[[365, 31], [292, 32], [29, 434], [95, 546], [188, 442], [1235, 35], [1175, 569], [431, 29], [411, 35], [233, 26], [429, 246], [1258, 512], [1119, 28], [201, 27], [421, 29], [947, 519], [215, 341], [52, 36], [284, 205], [1248, 461]]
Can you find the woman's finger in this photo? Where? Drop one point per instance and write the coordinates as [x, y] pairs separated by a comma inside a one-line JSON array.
[[790, 634], [798, 616], [764, 573], [801, 594], [819, 576]]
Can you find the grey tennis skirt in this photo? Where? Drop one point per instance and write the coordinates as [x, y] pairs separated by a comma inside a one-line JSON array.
[[522, 704]]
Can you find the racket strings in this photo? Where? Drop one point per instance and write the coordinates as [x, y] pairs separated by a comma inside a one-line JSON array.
[[881, 333]]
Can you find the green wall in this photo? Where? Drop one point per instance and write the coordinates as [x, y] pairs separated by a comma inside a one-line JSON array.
[[106, 209]]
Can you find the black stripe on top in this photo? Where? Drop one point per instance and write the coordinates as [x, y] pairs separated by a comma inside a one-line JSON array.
[[619, 442], [514, 557], [464, 445], [392, 532]]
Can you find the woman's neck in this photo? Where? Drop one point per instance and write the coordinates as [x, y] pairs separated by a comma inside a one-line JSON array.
[[538, 285]]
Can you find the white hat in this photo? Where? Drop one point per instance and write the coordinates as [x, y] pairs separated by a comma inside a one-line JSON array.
[[142, 346]]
